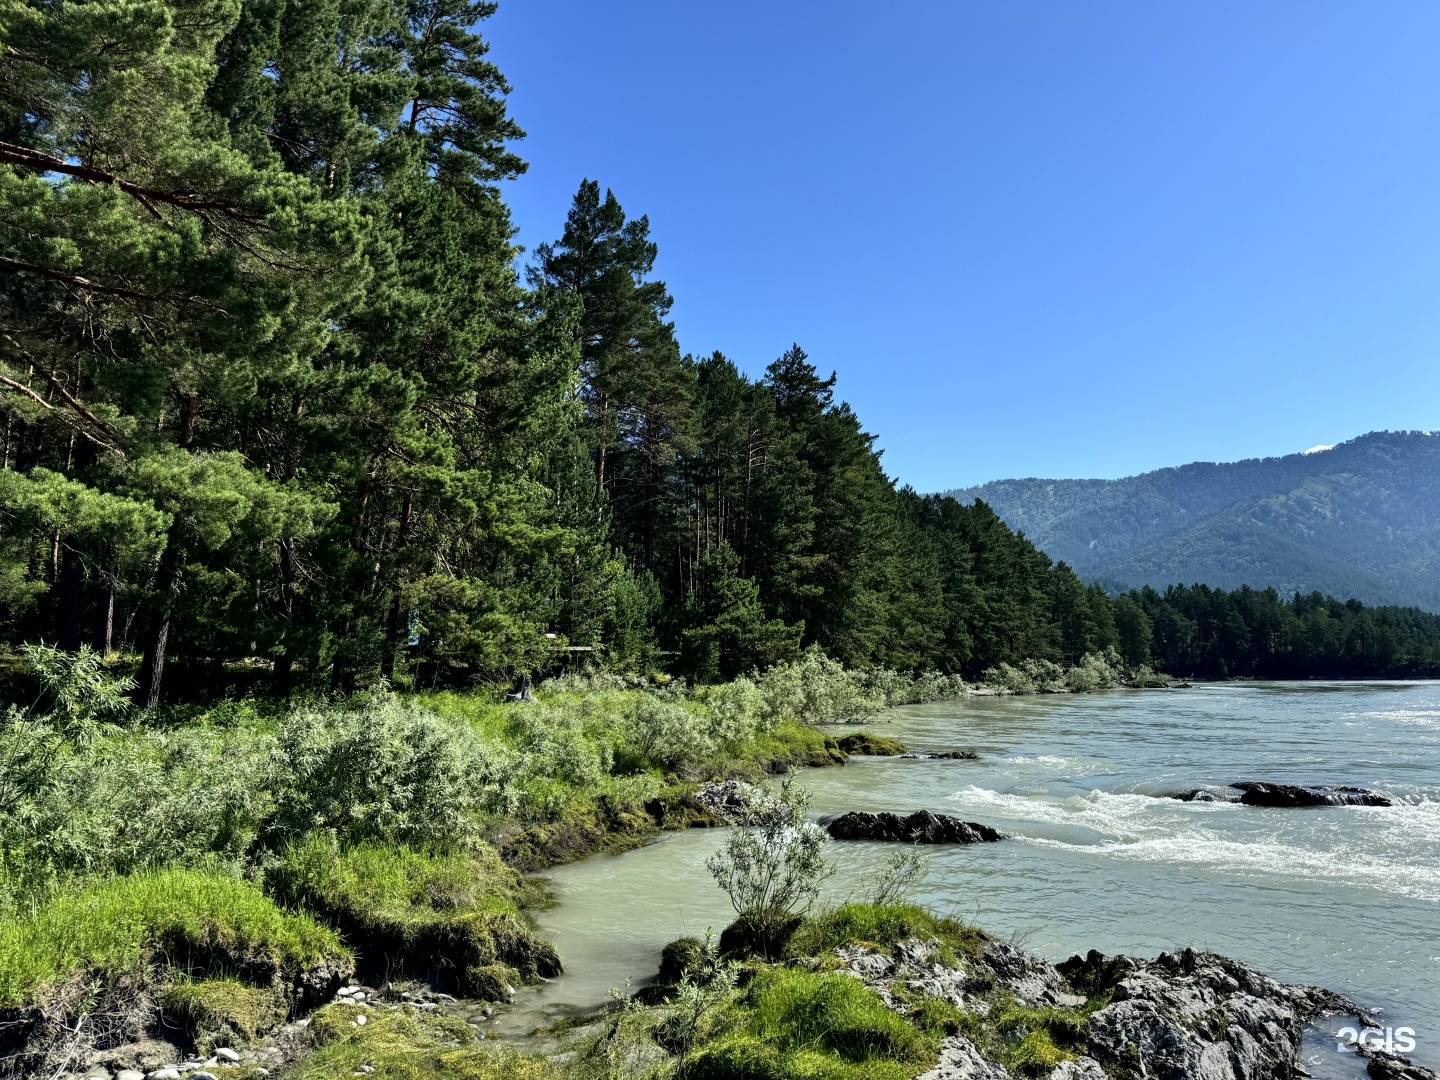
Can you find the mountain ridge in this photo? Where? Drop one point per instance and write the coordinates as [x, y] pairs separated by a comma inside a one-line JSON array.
[[1360, 519]]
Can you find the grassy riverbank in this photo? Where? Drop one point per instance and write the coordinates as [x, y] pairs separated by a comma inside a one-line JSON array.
[[205, 872]]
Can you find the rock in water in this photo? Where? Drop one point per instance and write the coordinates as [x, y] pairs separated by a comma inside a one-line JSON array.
[[1292, 795], [921, 827], [864, 744], [1383, 1066]]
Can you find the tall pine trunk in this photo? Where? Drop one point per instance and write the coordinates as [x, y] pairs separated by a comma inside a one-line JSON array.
[[157, 637], [104, 612]]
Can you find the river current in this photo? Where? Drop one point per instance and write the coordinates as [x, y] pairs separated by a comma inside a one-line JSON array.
[[1098, 856]]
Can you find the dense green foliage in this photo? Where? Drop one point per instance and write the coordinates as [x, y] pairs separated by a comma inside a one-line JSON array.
[[1358, 520], [1258, 633], [280, 411]]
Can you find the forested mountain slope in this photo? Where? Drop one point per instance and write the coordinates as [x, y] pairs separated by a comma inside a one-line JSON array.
[[1361, 519]]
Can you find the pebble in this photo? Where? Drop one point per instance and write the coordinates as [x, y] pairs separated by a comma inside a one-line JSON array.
[[224, 1053], [203, 1075], [169, 1072], [129, 1074], [359, 1022]]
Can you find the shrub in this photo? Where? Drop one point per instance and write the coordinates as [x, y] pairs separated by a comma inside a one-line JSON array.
[[1096, 671], [816, 690], [389, 771], [772, 862], [666, 733], [137, 800]]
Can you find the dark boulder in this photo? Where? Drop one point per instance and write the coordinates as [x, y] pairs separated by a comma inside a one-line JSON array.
[[921, 827], [763, 934], [863, 744], [942, 755], [1292, 795], [1383, 1066], [679, 957], [1197, 795]]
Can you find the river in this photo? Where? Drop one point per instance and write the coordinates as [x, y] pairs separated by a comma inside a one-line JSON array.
[[1346, 897]]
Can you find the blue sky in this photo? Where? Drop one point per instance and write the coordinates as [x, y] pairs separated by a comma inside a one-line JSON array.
[[1034, 237]]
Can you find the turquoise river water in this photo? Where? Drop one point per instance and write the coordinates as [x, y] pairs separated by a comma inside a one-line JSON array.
[[1346, 897]]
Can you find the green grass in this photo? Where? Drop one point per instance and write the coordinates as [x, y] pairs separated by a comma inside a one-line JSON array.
[[375, 883], [798, 1024], [110, 927], [1028, 1041], [881, 927], [490, 719], [870, 745], [449, 917], [222, 1012], [406, 1045]]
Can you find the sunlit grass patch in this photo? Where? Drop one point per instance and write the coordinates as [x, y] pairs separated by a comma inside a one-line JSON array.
[[406, 1045], [454, 918], [112, 926], [882, 926], [794, 1023]]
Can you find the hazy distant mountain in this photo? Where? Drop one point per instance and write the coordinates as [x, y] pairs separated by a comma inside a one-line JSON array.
[[1361, 519]]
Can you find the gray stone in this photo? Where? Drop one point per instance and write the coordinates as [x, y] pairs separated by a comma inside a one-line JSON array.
[[959, 1060], [1033, 980], [129, 1074], [1084, 1068], [1383, 1066], [167, 1073], [224, 1053]]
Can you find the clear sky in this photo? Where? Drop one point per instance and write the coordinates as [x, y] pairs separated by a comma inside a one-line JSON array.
[[1034, 237]]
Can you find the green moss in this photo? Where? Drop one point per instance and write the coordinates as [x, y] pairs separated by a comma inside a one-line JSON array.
[[868, 745], [790, 744], [794, 1023], [454, 919], [1028, 1041], [680, 956], [406, 1045], [376, 883], [1036, 1055], [881, 927], [113, 926], [222, 1012]]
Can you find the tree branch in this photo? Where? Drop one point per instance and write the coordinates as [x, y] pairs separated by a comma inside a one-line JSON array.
[[15, 266], [26, 158]]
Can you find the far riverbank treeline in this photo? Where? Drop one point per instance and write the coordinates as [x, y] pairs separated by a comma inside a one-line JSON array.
[[279, 408]]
